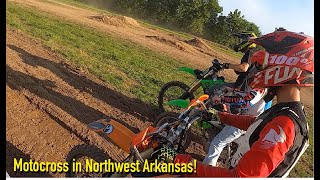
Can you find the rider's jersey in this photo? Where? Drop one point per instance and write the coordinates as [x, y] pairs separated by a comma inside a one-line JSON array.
[[241, 81], [274, 142], [240, 100]]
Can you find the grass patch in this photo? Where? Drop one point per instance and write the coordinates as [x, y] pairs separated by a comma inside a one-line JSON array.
[[82, 5]]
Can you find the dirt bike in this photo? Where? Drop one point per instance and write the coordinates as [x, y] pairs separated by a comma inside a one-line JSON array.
[[209, 128], [179, 90], [139, 146]]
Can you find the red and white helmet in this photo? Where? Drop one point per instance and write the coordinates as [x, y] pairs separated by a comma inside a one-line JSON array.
[[286, 61]]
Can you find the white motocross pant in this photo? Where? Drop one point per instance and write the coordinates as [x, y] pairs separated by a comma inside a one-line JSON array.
[[228, 134]]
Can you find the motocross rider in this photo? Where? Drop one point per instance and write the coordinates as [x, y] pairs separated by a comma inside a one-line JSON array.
[[240, 87], [276, 139], [229, 133]]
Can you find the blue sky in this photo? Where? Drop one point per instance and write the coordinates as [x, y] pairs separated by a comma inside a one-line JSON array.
[[294, 15]]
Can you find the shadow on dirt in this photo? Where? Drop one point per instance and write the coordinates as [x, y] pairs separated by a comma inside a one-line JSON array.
[[13, 152], [43, 89], [74, 78]]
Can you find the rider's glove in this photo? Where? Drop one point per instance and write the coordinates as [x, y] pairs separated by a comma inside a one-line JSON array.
[[164, 154], [217, 66], [226, 65]]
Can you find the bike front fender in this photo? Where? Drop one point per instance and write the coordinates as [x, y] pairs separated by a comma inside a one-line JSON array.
[[179, 103], [187, 70], [118, 133]]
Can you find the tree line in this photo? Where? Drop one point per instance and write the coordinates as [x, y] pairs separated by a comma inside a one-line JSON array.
[[202, 18]]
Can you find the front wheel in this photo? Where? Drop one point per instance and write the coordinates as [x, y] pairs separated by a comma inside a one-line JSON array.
[[170, 117], [170, 91], [82, 154]]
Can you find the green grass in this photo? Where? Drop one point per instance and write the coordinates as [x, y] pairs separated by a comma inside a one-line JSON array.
[[82, 5], [126, 67]]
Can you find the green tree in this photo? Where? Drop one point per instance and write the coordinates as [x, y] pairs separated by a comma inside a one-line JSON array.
[[192, 15], [250, 26], [163, 11], [221, 29]]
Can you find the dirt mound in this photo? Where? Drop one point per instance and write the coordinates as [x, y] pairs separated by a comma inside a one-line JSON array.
[[118, 21], [202, 46], [197, 42], [130, 21], [190, 46], [173, 42], [177, 37]]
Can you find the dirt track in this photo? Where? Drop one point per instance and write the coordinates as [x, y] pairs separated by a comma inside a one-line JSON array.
[[133, 33], [50, 102], [160, 41]]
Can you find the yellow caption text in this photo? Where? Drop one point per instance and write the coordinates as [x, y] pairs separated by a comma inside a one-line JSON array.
[[91, 166]]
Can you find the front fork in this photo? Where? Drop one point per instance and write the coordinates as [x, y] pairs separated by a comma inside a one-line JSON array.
[[195, 86], [191, 90], [180, 141]]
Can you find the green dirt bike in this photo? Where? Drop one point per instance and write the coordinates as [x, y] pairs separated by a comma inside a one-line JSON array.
[[178, 90]]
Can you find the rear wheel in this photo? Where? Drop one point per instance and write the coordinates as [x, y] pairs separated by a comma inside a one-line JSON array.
[[81, 154], [170, 117], [170, 91]]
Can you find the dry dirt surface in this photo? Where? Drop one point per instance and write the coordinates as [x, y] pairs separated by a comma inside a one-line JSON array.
[[50, 102]]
